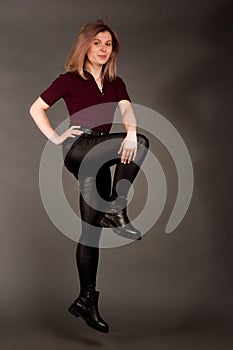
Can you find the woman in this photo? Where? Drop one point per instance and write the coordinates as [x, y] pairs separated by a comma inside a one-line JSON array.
[[91, 90]]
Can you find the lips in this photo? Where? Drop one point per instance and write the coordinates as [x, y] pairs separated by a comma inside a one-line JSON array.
[[102, 56]]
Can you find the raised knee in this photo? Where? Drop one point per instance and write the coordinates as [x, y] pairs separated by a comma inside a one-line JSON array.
[[143, 140]]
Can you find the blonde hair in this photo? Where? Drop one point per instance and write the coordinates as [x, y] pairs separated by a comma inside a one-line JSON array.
[[76, 58]]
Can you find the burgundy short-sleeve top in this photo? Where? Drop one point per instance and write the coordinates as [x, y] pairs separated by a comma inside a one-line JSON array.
[[86, 104]]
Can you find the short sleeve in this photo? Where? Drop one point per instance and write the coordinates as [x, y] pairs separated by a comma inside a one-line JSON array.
[[121, 91], [58, 89]]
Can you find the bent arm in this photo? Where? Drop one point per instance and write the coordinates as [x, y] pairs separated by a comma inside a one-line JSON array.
[[37, 112]]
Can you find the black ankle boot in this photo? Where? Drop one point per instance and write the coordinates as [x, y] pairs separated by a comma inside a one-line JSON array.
[[118, 220], [86, 306]]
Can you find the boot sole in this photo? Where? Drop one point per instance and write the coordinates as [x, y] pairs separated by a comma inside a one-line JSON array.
[[106, 224], [73, 310]]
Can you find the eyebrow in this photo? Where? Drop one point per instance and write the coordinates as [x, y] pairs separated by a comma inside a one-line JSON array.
[[100, 40]]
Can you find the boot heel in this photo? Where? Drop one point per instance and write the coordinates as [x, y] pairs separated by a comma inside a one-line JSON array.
[[74, 311], [105, 223]]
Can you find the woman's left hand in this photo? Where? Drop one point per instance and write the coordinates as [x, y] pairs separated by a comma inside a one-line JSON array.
[[128, 148]]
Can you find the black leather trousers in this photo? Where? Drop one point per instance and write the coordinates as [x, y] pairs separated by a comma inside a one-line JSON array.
[[89, 159]]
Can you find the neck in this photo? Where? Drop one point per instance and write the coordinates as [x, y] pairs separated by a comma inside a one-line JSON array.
[[96, 71]]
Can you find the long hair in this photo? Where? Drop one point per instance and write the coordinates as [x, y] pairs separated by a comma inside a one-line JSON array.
[[76, 58]]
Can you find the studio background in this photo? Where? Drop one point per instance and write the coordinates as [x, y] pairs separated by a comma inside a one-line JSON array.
[[166, 291]]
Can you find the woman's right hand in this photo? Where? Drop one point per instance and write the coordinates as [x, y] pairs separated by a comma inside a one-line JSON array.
[[38, 112], [71, 132]]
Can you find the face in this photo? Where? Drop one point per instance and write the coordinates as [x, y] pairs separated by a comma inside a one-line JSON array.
[[100, 49]]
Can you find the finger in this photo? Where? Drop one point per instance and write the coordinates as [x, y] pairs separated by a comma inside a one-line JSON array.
[[124, 153], [75, 126], [130, 156], [77, 132], [126, 157], [74, 129], [121, 147], [123, 159]]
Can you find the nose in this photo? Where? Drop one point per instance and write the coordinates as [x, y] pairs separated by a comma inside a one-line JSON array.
[[103, 47]]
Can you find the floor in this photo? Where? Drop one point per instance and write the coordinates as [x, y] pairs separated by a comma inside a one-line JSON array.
[[73, 334]]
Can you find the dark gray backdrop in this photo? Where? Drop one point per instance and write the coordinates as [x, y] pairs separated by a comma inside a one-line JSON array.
[[167, 291]]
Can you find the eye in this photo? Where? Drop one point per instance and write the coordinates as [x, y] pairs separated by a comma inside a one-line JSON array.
[[109, 44], [96, 42]]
